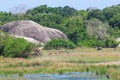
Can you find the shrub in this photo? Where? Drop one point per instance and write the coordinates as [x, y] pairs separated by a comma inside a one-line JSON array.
[[59, 43], [111, 43], [98, 43], [2, 37], [91, 43], [16, 47]]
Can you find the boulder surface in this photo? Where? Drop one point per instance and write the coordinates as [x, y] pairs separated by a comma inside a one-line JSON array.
[[31, 29]]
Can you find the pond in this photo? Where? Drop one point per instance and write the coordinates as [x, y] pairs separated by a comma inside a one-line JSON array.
[[65, 76]]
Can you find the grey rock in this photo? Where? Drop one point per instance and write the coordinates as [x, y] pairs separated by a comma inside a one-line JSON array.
[[28, 39], [30, 29]]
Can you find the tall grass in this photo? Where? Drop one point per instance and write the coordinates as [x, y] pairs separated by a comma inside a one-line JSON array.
[[78, 60]]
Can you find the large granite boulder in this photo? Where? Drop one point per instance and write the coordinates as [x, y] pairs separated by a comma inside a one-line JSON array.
[[30, 29]]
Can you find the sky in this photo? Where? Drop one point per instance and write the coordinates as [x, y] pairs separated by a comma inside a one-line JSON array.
[[10, 5]]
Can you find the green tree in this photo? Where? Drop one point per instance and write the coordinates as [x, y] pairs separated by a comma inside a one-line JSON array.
[[109, 12], [68, 11], [115, 21], [97, 29], [74, 29], [48, 20], [6, 17], [83, 14], [37, 10], [96, 13]]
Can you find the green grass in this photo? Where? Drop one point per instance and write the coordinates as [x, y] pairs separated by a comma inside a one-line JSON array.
[[85, 55], [78, 60]]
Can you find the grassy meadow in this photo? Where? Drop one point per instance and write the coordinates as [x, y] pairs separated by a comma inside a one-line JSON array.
[[102, 62]]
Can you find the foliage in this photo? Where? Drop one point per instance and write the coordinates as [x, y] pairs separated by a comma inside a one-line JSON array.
[[6, 17], [91, 43], [59, 44], [115, 21], [111, 43], [16, 47], [44, 9], [76, 29], [2, 37], [97, 29], [95, 13], [49, 20], [68, 11], [115, 32], [50, 17], [83, 27], [109, 12], [83, 14]]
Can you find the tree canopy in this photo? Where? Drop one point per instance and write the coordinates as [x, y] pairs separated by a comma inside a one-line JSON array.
[[83, 27]]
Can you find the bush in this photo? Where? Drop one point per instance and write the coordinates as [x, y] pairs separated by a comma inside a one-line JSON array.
[[98, 43], [59, 43], [2, 38], [111, 43], [91, 43], [16, 47]]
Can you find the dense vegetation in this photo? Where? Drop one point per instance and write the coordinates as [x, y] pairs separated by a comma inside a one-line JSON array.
[[14, 47], [84, 28], [59, 43], [89, 28]]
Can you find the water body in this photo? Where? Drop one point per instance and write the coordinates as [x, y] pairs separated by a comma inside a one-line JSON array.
[[65, 76]]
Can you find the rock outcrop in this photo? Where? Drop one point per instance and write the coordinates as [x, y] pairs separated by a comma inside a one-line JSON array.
[[30, 29], [28, 39]]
